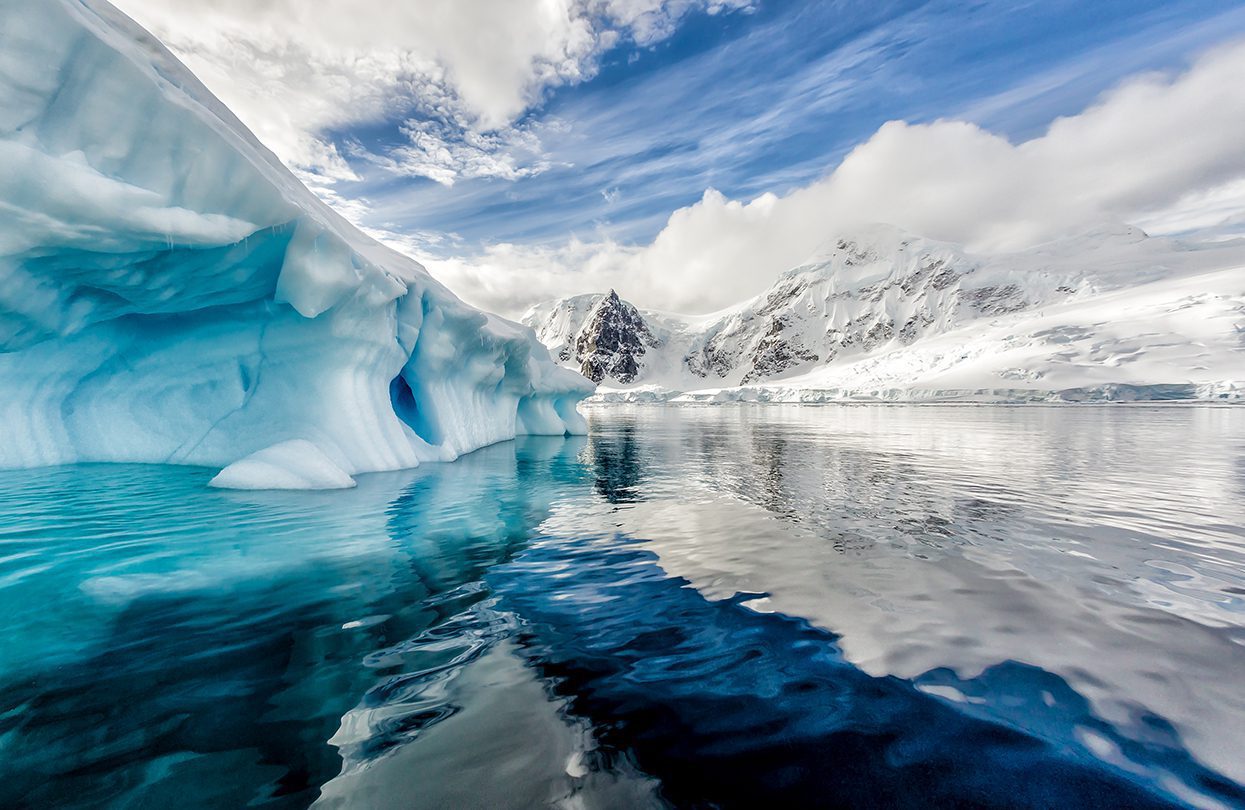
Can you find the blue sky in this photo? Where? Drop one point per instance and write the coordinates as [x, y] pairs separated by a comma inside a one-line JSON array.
[[687, 151], [769, 100]]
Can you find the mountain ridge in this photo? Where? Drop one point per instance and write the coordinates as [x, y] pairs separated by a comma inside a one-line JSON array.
[[881, 310]]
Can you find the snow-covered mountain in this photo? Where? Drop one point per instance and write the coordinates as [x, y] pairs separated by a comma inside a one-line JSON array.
[[169, 292], [607, 337], [882, 314]]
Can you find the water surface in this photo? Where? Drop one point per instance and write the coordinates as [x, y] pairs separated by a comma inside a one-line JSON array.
[[738, 606]]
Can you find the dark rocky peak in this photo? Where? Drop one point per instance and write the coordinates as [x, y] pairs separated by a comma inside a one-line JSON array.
[[612, 340]]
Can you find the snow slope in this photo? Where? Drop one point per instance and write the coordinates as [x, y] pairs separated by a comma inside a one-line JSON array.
[[884, 315], [169, 292]]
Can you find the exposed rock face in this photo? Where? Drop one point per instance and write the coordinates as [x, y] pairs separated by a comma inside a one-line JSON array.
[[602, 336], [612, 341], [775, 352]]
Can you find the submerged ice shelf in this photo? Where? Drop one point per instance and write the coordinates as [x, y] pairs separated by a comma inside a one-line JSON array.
[[169, 292]]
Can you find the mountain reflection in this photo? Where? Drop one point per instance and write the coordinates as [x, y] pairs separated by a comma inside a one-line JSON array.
[[617, 465], [732, 708]]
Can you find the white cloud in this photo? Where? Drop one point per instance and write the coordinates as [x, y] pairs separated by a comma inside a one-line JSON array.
[[653, 20], [293, 70], [435, 152], [1162, 151]]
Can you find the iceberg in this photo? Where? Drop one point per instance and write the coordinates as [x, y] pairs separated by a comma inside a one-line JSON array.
[[170, 292]]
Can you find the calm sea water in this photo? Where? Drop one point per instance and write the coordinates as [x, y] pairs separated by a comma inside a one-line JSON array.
[[730, 607]]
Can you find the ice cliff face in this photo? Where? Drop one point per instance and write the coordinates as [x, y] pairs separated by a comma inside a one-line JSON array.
[[885, 314], [169, 292]]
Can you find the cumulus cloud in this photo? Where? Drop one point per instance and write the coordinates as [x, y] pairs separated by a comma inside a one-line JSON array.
[[461, 72], [1162, 151]]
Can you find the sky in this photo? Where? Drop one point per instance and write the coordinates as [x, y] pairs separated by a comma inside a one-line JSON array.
[[686, 152]]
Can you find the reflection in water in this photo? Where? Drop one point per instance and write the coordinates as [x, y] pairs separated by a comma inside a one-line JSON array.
[[733, 708], [616, 464], [720, 606]]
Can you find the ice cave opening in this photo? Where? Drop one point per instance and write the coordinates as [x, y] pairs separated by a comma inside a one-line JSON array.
[[406, 406]]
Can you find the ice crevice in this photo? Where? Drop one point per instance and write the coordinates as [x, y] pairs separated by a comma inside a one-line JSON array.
[[169, 292]]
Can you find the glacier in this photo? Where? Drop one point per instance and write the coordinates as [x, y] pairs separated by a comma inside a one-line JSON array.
[[170, 292], [879, 314]]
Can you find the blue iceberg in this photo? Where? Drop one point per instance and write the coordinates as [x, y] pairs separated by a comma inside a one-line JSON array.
[[170, 292]]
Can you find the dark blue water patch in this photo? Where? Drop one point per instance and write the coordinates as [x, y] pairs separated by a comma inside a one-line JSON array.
[[201, 675], [733, 708], [187, 674]]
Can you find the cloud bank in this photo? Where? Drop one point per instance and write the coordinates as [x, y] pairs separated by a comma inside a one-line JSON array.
[[1162, 151]]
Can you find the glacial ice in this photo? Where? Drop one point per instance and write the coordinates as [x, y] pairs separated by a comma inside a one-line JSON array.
[[296, 464], [169, 292]]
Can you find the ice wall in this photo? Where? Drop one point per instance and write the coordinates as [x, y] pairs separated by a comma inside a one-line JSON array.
[[169, 292]]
